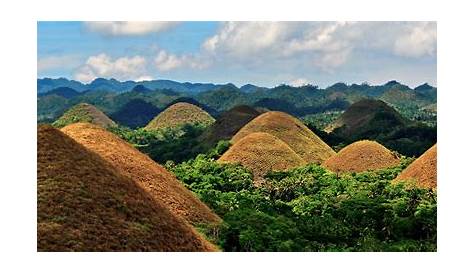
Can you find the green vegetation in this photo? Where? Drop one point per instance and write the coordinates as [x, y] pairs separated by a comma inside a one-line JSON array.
[[78, 114], [311, 209], [168, 144], [321, 120]]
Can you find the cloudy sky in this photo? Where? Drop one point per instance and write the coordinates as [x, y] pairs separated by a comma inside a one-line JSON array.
[[260, 53]]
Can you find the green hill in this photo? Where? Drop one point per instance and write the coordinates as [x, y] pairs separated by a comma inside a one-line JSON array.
[[84, 112]]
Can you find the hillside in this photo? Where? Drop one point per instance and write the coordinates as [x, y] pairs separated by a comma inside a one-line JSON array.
[[260, 153], [291, 131], [375, 120], [423, 171], [84, 112], [228, 124], [362, 156], [65, 92], [135, 113], [84, 204], [152, 177], [180, 114], [365, 115]]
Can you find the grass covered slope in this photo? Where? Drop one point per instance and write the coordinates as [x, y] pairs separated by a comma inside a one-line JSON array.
[[423, 171], [180, 114], [362, 156], [228, 124], [262, 152], [155, 179], [84, 204], [84, 112], [291, 131], [363, 116]]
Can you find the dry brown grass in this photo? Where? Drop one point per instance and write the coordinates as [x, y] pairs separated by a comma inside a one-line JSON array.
[[84, 112], [423, 171], [362, 156], [180, 114], [291, 131], [85, 204], [262, 152], [227, 124], [152, 177]]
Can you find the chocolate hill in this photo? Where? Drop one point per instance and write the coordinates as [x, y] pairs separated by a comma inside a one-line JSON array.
[[152, 177], [291, 131], [423, 171], [365, 116], [180, 114], [84, 112], [262, 152], [85, 204], [362, 156], [227, 125]]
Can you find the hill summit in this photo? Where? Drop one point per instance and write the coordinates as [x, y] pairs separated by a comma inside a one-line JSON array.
[[84, 112], [362, 156], [363, 116], [290, 130], [261, 152], [85, 204], [180, 114]]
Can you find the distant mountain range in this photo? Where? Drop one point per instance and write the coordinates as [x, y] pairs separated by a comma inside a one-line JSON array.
[[100, 84], [118, 99], [45, 85]]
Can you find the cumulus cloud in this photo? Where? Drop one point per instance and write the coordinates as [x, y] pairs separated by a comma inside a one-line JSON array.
[[124, 28], [418, 41], [165, 61], [327, 45], [102, 65]]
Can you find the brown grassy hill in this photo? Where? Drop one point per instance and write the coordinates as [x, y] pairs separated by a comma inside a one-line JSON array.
[[362, 156], [291, 131], [262, 152], [155, 179], [365, 115], [227, 124], [85, 204], [423, 171], [180, 114], [84, 112]]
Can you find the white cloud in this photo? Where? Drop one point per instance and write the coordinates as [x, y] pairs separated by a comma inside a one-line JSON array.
[[420, 40], [327, 45], [54, 62], [165, 61], [299, 82], [102, 65], [119, 28]]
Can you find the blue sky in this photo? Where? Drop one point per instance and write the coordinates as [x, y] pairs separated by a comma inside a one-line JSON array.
[[261, 53]]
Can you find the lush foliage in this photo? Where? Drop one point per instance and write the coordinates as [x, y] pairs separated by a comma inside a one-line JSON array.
[[169, 144], [312, 209]]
